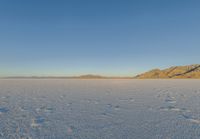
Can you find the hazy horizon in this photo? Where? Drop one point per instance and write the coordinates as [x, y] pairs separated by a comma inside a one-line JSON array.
[[107, 37]]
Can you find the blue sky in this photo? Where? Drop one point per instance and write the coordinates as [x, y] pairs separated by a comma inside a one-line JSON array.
[[107, 37]]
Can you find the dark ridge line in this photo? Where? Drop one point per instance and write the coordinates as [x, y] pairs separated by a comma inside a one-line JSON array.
[[170, 72], [185, 72]]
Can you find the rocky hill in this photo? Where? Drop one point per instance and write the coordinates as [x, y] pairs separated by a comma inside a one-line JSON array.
[[190, 71]]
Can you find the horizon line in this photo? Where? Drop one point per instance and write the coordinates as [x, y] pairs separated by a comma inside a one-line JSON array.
[[85, 76]]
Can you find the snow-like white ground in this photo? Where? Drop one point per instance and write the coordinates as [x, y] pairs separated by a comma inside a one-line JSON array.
[[99, 109]]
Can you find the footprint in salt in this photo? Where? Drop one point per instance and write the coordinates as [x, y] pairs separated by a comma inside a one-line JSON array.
[[117, 107], [23, 109], [170, 99], [185, 110], [167, 108], [196, 121], [3, 110], [103, 114], [5, 97], [44, 109], [69, 104], [191, 119], [63, 96], [173, 108], [129, 99], [106, 114], [48, 110], [37, 121], [109, 105]]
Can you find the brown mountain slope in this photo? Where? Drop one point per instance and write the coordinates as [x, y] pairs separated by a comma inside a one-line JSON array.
[[190, 71]]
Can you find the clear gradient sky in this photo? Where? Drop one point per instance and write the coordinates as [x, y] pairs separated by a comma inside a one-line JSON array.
[[107, 37]]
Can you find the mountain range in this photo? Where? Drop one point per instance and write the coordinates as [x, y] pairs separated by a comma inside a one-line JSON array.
[[175, 72]]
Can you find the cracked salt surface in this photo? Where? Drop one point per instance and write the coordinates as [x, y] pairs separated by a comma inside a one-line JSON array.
[[96, 109]]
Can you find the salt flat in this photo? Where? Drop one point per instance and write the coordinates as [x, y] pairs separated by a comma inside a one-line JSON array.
[[99, 109]]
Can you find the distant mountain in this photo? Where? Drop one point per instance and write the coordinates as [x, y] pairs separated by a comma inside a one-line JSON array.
[[87, 76], [90, 76], [190, 71], [176, 72]]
